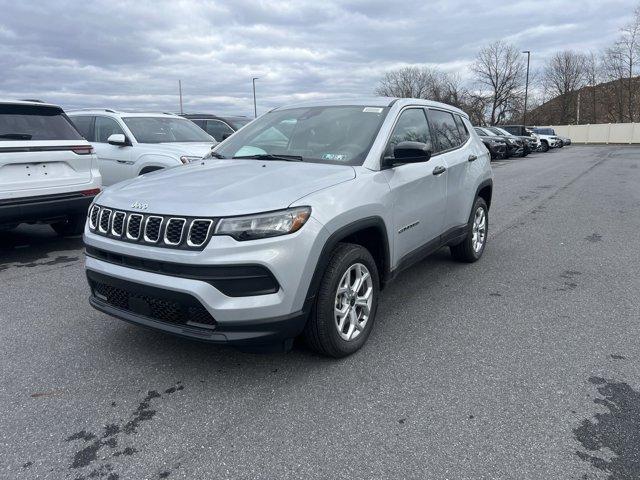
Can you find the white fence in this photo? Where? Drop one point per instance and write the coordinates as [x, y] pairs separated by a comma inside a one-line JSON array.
[[600, 133]]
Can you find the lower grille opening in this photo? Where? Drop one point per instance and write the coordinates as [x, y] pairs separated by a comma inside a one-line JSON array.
[[158, 304]]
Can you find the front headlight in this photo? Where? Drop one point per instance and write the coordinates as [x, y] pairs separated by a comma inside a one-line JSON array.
[[189, 158], [264, 225]]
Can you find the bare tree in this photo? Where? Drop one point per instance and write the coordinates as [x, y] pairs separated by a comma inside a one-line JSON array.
[[620, 63], [564, 74], [592, 77], [500, 70], [408, 82]]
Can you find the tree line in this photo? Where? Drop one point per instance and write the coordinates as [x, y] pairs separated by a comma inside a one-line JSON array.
[[572, 87]]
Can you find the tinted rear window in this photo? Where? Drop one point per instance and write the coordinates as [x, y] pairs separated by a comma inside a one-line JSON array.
[[35, 122]]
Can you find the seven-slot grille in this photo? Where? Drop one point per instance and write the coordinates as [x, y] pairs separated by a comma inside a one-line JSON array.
[[159, 230]]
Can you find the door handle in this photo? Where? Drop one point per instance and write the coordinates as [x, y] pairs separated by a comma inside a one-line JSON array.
[[472, 157], [122, 161], [439, 170]]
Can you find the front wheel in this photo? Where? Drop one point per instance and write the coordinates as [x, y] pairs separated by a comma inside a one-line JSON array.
[[544, 147], [74, 225], [346, 305], [471, 248]]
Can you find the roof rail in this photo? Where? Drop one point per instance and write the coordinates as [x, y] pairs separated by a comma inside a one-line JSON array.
[[88, 109], [35, 100]]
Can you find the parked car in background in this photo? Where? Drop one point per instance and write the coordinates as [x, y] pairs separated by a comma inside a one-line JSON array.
[[497, 146], [218, 127], [292, 230], [531, 143], [548, 138], [48, 172], [129, 144], [515, 146], [565, 140]]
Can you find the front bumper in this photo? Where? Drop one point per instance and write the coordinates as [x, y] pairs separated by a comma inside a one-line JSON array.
[[44, 208], [266, 317], [156, 309]]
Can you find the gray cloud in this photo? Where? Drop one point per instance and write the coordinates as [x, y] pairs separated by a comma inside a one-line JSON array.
[[131, 54]]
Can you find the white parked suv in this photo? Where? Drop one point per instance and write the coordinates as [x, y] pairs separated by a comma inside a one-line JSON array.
[[293, 224], [48, 172], [130, 144]]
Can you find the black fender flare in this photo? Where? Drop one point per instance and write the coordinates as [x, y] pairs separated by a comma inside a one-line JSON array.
[[486, 183], [335, 238]]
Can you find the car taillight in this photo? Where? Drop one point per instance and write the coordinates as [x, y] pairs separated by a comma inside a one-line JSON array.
[[82, 149], [90, 193]]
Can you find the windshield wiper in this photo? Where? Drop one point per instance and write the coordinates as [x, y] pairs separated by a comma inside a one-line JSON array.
[[269, 156], [16, 136], [217, 155]]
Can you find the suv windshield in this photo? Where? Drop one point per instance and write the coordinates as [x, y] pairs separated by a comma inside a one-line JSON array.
[[544, 131], [166, 130], [500, 131], [35, 122], [337, 134]]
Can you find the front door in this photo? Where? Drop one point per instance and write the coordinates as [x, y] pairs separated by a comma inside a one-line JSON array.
[[419, 195], [114, 161]]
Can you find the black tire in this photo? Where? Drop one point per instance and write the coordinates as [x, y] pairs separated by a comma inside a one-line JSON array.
[[74, 225], [544, 146], [321, 332], [464, 251]]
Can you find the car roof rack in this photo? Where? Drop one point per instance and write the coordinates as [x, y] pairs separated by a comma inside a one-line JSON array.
[[35, 100], [91, 109]]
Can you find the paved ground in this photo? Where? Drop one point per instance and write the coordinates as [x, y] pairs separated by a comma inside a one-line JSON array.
[[522, 366]]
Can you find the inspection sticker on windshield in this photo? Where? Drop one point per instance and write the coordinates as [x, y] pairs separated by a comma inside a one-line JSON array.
[[372, 110], [334, 156]]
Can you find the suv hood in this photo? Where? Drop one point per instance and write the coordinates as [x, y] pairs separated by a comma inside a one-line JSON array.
[[216, 188], [191, 149]]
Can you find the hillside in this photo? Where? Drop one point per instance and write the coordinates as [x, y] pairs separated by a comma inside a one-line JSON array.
[[603, 103]]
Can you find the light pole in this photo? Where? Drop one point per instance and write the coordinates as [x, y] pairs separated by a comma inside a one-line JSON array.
[[255, 110], [180, 90], [526, 90]]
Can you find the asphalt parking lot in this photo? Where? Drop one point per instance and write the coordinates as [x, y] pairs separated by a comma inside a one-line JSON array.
[[524, 365]]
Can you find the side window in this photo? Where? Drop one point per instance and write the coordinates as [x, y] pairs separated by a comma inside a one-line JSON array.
[[105, 127], [200, 123], [445, 129], [462, 128], [412, 126], [217, 129], [84, 124]]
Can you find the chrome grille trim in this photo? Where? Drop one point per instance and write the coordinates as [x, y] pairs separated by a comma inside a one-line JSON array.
[[206, 237], [94, 223], [132, 215], [146, 224], [172, 219], [113, 223], [108, 211]]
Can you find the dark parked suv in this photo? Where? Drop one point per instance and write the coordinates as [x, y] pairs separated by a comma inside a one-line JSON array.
[[218, 127]]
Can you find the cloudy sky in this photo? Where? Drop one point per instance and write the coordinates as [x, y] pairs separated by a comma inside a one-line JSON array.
[[131, 54]]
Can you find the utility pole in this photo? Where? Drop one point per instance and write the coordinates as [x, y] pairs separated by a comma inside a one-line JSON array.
[[255, 110], [180, 90], [526, 90]]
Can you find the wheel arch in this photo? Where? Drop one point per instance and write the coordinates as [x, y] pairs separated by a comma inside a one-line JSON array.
[[485, 190], [371, 233]]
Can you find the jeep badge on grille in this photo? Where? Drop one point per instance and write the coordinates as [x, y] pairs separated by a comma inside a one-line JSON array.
[[139, 206]]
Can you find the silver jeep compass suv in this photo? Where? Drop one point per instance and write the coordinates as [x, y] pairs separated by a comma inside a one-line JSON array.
[[293, 224]]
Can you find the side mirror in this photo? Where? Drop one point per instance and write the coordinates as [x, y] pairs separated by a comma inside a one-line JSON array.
[[409, 152], [118, 139]]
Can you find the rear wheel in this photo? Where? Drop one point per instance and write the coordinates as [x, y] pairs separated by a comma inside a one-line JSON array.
[[346, 305], [74, 225], [471, 248]]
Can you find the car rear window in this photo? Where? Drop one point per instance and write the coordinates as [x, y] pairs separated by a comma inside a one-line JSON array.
[[35, 122]]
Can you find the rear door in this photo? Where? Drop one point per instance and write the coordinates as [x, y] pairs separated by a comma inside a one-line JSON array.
[[40, 149], [419, 195], [114, 161]]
